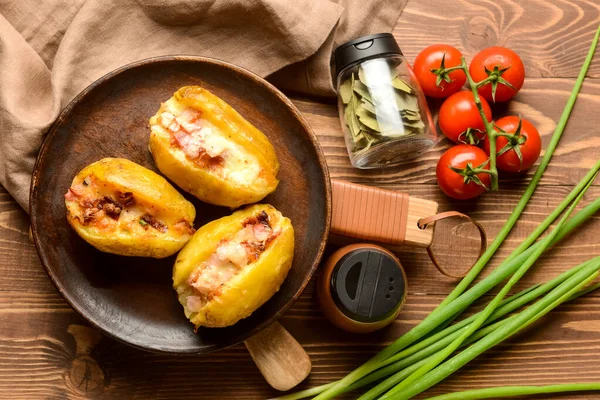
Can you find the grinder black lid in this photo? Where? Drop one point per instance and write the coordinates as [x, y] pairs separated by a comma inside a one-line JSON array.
[[363, 48], [368, 285]]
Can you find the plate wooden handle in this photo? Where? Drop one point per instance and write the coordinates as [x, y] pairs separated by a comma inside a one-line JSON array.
[[279, 357]]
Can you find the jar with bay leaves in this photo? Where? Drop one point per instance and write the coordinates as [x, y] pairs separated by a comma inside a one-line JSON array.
[[383, 111]]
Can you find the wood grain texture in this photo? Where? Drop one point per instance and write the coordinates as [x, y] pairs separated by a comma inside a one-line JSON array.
[[46, 351], [69, 359], [552, 37]]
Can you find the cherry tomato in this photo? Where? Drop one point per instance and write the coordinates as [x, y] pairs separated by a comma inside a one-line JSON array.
[[459, 113], [499, 61], [530, 148], [452, 183], [431, 58]]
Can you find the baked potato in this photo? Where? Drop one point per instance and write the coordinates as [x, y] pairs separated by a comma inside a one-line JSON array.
[[120, 207], [233, 265], [209, 150]]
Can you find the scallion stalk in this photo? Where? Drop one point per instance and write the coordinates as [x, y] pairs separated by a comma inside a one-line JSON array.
[[442, 341], [511, 391], [441, 355], [532, 313]]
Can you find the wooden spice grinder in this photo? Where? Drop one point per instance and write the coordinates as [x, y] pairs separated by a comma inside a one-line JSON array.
[[362, 288]]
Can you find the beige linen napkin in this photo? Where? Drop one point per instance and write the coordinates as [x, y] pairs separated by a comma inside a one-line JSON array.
[[51, 50]]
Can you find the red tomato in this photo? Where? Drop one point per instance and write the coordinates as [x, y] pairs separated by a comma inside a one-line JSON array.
[[452, 183], [530, 148], [459, 113], [431, 58], [499, 59]]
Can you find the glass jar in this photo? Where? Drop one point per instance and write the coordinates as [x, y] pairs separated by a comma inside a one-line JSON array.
[[384, 113]]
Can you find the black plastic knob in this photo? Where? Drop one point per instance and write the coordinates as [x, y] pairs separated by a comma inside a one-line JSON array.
[[368, 285]]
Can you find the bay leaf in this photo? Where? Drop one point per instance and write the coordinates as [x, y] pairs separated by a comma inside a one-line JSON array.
[[410, 115], [370, 142], [361, 89], [415, 124], [345, 91], [394, 132], [369, 121], [352, 120], [367, 105], [407, 102], [362, 77], [400, 84]]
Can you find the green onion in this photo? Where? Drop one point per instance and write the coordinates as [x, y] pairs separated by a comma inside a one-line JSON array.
[[399, 367], [492, 305], [441, 341], [442, 313], [507, 306], [529, 315], [510, 391]]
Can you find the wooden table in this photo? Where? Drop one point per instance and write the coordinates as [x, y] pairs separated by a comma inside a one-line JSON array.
[[48, 351]]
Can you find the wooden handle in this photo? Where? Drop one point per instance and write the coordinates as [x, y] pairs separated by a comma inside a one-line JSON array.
[[279, 357], [379, 215]]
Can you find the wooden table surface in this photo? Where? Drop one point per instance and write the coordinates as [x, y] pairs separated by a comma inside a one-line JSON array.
[[48, 351]]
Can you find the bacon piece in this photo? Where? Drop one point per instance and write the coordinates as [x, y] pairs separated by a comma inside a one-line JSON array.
[[126, 199], [112, 210], [71, 195], [206, 161], [155, 223], [253, 250], [90, 214], [195, 303], [184, 226], [111, 207], [262, 231], [262, 217], [207, 279], [189, 120]]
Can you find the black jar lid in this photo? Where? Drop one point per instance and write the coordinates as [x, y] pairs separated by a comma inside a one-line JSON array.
[[368, 285], [364, 47]]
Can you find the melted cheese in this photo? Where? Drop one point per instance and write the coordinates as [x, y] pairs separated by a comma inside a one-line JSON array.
[[238, 166]]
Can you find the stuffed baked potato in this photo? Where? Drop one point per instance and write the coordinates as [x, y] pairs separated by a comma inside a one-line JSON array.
[[209, 150], [233, 265], [123, 208]]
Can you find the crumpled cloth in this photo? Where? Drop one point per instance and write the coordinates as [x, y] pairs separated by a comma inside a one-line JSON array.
[[51, 50]]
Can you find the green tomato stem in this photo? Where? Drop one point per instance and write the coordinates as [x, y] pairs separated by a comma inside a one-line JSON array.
[[489, 126]]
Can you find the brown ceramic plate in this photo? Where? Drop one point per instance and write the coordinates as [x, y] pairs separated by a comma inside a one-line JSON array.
[[131, 299]]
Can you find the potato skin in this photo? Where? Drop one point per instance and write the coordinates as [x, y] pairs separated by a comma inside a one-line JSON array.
[[149, 189], [201, 182], [251, 287]]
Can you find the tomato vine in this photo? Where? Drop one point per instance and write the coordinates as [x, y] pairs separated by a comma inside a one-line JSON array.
[[490, 130]]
